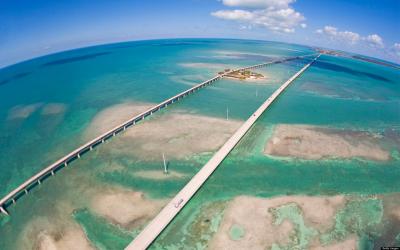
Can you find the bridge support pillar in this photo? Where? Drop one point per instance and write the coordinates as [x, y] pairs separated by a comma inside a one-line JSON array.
[[39, 182], [13, 201], [52, 172], [3, 210], [26, 191], [79, 156]]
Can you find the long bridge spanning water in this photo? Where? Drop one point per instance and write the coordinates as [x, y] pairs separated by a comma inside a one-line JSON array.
[[168, 213], [50, 170]]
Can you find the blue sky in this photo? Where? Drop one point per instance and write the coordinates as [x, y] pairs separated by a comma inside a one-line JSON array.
[[34, 28]]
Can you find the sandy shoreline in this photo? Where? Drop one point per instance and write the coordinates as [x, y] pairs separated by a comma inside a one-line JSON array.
[[314, 143]]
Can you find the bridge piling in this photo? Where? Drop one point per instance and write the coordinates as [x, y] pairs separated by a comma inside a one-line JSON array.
[[3, 210]]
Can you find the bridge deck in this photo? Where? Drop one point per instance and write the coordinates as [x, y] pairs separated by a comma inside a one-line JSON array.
[[24, 188], [167, 214]]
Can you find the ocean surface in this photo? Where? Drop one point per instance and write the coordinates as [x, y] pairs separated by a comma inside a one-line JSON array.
[[47, 105]]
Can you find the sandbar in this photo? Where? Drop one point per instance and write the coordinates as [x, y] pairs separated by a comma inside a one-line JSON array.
[[350, 243], [23, 111], [43, 233], [112, 116], [126, 208], [314, 143], [53, 109], [258, 230], [176, 133], [158, 174]]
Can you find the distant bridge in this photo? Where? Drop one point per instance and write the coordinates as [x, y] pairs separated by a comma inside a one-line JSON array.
[[50, 170]]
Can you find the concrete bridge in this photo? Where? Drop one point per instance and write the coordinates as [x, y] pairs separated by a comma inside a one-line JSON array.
[[50, 170], [168, 213]]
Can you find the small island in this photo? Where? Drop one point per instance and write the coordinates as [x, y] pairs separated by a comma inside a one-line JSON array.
[[241, 74]]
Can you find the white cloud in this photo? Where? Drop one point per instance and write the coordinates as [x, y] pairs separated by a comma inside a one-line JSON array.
[[303, 25], [374, 41], [238, 15], [396, 49], [275, 15], [351, 38], [278, 4], [344, 36]]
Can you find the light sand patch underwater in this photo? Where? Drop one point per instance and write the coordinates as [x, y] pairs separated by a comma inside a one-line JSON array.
[[177, 134], [310, 142], [53, 109], [189, 80], [23, 111], [158, 175], [259, 223], [349, 244], [126, 208], [113, 116], [43, 233], [59, 230]]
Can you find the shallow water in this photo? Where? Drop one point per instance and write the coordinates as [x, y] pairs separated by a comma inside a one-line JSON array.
[[336, 92]]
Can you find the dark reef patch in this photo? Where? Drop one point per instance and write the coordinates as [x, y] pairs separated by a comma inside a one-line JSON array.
[[339, 68], [75, 59], [176, 44], [388, 237], [14, 77]]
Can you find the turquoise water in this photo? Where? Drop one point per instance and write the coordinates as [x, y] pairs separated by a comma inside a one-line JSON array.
[[335, 92], [356, 97]]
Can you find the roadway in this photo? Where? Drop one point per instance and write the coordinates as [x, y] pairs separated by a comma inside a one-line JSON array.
[[168, 213]]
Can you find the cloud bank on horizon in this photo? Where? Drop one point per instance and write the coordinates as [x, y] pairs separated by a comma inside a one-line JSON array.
[[280, 16]]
